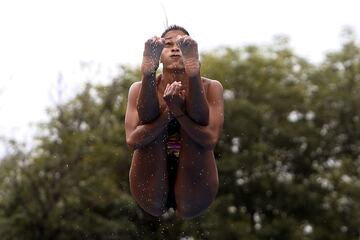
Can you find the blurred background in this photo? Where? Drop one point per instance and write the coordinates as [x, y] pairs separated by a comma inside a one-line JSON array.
[[288, 158]]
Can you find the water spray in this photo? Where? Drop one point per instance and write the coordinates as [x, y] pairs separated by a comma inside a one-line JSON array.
[[166, 23]]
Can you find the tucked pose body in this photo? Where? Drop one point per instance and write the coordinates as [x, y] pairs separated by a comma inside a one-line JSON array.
[[173, 122]]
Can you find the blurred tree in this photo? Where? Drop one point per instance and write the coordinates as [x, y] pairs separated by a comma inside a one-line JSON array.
[[263, 151], [336, 102], [74, 186]]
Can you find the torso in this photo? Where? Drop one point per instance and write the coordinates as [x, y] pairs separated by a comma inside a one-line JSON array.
[[206, 83], [188, 146]]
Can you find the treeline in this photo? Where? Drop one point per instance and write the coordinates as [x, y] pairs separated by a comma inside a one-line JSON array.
[[288, 158]]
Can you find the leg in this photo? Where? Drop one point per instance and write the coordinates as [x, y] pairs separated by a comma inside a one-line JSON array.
[[149, 178], [196, 184]]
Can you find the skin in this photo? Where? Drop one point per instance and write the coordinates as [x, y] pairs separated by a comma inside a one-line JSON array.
[[197, 104]]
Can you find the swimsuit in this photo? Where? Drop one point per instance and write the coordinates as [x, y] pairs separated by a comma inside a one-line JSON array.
[[173, 145]]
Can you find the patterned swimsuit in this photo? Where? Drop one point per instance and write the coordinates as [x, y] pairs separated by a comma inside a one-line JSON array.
[[173, 146]]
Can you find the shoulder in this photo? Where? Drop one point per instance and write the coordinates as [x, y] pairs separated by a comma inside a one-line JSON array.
[[135, 87], [134, 90], [212, 85]]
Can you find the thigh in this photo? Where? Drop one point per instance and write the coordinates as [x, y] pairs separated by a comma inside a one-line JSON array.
[[149, 178], [197, 179]]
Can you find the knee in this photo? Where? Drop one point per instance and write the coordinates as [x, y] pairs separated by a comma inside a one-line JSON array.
[[190, 204], [191, 209], [156, 212], [154, 208], [150, 203]]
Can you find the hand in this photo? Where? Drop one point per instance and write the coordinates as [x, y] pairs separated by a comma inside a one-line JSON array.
[[174, 96], [189, 50], [151, 55]]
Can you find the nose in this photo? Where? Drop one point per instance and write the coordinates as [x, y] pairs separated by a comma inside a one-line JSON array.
[[175, 48]]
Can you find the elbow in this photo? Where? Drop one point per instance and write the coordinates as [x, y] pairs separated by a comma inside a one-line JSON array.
[[203, 121], [209, 143], [131, 144], [200, 118], [131, 147]]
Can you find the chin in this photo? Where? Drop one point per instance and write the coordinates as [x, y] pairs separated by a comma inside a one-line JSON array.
[[176, 67]]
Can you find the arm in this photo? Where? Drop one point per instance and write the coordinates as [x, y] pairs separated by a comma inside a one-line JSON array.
[[147, 101], [138, 136], [206, 136], [197, 106], [196, 103]]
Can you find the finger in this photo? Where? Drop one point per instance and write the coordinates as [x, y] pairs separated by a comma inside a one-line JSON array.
[[175, 87], [171, 89], [176, 83], [166, 90]]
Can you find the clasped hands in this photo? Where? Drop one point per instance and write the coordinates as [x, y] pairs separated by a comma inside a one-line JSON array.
[[174, 96]]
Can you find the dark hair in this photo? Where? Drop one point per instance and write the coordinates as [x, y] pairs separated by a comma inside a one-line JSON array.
[[174, 28]]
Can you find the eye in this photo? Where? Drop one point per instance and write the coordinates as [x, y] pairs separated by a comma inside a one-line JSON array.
[[168, 44]]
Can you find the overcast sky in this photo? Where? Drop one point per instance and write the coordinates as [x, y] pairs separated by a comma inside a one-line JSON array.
[[42, 41]]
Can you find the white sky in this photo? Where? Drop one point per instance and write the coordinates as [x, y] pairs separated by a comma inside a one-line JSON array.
[[41, 40]]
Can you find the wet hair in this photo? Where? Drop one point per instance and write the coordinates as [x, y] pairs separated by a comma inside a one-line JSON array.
[[174, 28]]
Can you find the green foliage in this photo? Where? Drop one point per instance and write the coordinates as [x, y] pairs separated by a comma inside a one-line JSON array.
[[288, 157]]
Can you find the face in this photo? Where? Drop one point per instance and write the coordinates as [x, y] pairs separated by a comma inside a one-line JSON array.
[[171, 56]]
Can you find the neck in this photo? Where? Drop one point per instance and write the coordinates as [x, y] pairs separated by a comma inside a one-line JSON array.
[[170, 76]]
